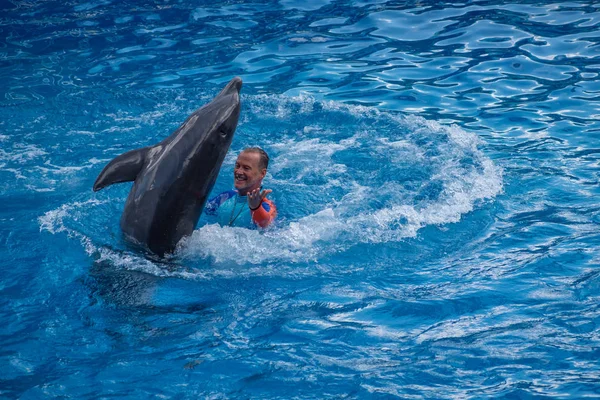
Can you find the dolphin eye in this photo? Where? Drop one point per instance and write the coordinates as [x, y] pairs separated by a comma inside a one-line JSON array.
[[223, 132]]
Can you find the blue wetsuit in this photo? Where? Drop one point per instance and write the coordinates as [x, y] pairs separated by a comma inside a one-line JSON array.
[[231, 209]]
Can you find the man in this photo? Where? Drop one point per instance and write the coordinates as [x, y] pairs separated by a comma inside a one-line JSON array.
[[247, 205]]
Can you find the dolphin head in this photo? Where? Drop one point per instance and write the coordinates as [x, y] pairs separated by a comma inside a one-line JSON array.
[[209, 132], [215, 122], [227, 103]]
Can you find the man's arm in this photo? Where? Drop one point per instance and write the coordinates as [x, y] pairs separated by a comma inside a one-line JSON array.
[[262, 209], [264, 214]]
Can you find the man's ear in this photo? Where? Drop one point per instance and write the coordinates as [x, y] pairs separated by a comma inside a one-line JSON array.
[[263, 173]]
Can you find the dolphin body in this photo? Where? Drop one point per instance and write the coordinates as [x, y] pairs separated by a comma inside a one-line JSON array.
[[173, 178]]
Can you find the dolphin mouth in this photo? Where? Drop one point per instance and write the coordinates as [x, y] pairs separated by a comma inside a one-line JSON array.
[[234, 86]]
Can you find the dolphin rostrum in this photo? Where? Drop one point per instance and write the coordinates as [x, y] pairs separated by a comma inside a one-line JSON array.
[[173, 178]]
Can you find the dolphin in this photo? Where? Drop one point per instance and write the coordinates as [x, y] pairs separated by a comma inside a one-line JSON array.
[[173, 178]]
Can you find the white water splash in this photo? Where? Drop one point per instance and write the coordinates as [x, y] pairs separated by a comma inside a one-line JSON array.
[[347, 166], [316, 167]]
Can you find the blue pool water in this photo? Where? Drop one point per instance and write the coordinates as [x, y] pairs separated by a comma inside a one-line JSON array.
[[436, 169]]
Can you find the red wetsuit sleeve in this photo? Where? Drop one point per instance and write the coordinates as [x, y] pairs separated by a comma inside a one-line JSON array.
[[264, 214]]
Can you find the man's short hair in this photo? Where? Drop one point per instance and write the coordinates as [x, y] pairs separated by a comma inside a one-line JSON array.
[[264, 157]]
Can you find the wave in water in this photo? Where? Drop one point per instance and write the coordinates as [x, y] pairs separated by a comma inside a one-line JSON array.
[[378, 177]]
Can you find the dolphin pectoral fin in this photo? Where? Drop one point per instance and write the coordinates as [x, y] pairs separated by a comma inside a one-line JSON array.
[[124, 168]]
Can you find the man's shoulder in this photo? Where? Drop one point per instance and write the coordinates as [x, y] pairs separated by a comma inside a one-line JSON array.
[[213, 204], [268, 204], [228, 194]]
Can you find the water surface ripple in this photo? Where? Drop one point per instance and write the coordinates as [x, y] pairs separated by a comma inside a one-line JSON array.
[[436, 167]]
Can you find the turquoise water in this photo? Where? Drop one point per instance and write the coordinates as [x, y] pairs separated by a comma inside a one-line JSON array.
[[435, 166]]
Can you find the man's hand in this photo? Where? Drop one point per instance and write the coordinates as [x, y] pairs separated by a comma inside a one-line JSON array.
[[256, 197]]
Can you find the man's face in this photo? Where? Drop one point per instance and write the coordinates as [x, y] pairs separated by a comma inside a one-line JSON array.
[[247, 175]]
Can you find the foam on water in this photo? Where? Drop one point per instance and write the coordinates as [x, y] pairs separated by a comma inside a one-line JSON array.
[[73, 219], [379, 177], [66, 219], [312, 168]]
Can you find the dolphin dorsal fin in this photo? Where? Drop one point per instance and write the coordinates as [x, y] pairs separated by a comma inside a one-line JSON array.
[[124, 168]]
